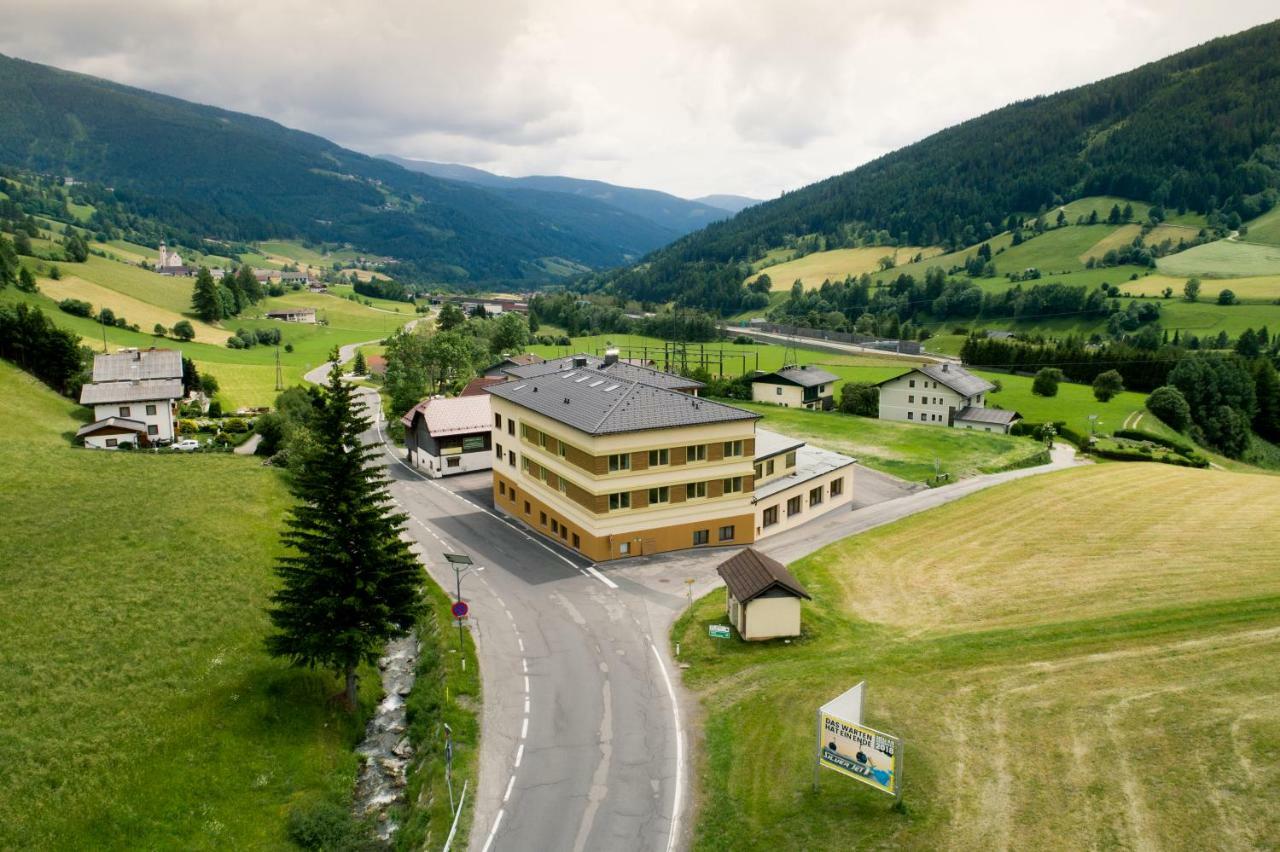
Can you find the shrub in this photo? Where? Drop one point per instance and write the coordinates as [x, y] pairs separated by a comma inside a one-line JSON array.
[[215, 409], [1170, 406], [321, 824], [1107, 385], [188, 427], [861, 398], [1046, 382], [76, 307], [159, 330], [55, 273], [236, 425], [183, 330], [1135, 435], [1226, 297]]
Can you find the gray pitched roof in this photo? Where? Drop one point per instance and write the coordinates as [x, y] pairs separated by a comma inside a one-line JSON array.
[[770, 444], [139, 364], [977, 414], [619, 370], [112, 422], [750, 574], [811, 463], [599, 403], [805, 376], [953, 376], [153, 390]]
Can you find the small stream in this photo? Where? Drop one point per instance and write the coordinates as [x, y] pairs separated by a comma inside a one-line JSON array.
[[386, 748]]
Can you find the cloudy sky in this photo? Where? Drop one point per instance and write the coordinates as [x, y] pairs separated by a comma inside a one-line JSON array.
[[688, 96]]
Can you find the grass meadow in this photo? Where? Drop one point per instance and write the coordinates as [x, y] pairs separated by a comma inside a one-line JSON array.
[[1223, 259], [1265, 229], [1069, 661], [837, 264], [906, 450], [143, 710]]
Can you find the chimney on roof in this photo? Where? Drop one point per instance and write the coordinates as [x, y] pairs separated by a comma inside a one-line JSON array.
[[579, 361], [944, 366], [610, 357]]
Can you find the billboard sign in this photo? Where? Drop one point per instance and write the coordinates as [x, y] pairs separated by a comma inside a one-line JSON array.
[[847, 746]]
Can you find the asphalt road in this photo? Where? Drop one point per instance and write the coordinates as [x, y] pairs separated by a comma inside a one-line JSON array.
[[581, 747]]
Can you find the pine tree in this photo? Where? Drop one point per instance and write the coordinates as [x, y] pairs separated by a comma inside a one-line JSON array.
[[205, 300], [350, 583], [248, 285], [359, 367]]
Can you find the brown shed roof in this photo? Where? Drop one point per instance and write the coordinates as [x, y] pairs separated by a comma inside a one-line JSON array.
[[750, 574]]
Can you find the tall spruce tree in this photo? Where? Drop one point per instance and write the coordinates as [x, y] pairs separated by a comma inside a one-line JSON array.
[[350, 583], [206, 301]]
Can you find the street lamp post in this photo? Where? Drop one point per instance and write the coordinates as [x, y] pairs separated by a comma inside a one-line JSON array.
[[460, 562]]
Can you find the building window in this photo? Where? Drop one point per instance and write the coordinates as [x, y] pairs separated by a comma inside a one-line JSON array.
[[911, 383], [815, 496], [701, 537], [793, 506], [619, 500], [726, 533], [497, 420], [562, 485], [511, 426], [837, 487], [502, 488], [124, 411], [911, 398], [511, 458], [525, 431], [768, 468], [555, 525], [911, 415], [624, 547], [564, 532], [497, 451], [696, 453], [657, 458], [453, 461], [759, 470], [619, 461], [732, 448], [111, 442], [560, 448], [155, 430], [542, 518], [660, 494], [694, 490], [524, 463], [770, 516], [733, 485], [542, 440], [577, 543], [151, 410], [791, 459], [527, 508], [777, 391]]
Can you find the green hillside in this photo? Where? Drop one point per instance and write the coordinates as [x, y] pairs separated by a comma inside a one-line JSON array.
[[211, 173], [1191, 132], [144, 712], [1265, 229]]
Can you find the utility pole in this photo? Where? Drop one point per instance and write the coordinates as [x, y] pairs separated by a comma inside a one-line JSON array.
[[279, 370]]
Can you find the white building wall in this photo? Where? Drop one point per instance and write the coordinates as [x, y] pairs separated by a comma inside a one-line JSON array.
[[807, 511], [915, 398], [788, 396], [768, 618], [449, 464], [160, 417]]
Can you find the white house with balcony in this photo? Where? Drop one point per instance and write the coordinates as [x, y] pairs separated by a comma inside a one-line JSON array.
[[943, 394]]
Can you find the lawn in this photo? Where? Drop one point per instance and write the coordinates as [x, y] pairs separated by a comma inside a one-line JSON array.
[[145, 314], [906, 450], [1223, 259], [1073, 404], [1059, 680], [143, 711], [1265, 229], [345, 290], [837, 264]]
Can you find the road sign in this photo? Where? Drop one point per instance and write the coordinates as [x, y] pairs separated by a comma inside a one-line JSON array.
[[847, 746], [459, 609], [718, 631]]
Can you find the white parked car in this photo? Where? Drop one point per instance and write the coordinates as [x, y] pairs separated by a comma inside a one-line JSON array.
[[187, 445]]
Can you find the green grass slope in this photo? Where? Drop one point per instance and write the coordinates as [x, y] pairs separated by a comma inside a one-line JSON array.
[[1071, 661], [1223, 259], [142, 710], [1265, 229]]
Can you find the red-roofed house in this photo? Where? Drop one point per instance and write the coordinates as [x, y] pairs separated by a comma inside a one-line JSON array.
[[476, 387], [448, 436]]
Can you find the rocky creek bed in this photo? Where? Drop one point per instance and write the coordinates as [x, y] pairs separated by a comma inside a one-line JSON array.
[[386, 749]]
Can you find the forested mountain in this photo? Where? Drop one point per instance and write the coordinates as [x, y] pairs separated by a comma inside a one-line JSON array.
[[1199, 131], [677, 216], [214, 173]]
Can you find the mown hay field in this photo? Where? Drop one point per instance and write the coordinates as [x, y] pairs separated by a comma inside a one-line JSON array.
[[1083, 659]]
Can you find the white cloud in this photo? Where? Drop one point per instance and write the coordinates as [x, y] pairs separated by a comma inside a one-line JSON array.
[[691, 96]]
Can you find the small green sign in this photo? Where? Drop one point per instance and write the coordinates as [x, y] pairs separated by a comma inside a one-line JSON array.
[[719, 631]]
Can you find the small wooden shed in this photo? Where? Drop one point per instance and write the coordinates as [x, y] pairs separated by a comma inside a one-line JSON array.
[[764, 599]]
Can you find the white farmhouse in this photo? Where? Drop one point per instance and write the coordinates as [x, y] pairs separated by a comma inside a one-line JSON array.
[[448, 436], [943, 395], [803, 386], [133, 395]]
